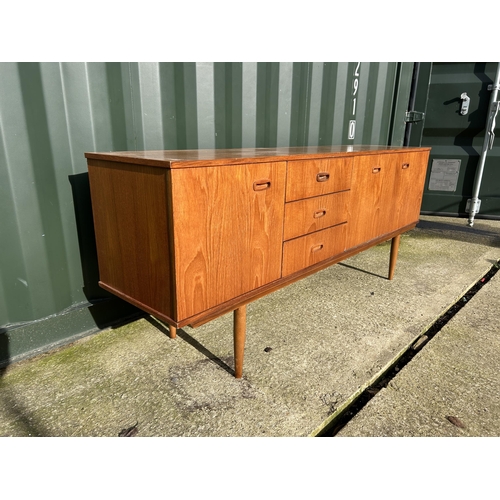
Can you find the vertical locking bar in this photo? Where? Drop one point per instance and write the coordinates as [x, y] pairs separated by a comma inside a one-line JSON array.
[[487, 144]]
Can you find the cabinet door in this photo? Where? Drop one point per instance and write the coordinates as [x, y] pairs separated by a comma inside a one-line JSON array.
[[228, 230], [370, 208], [386, 194], [409, 186]]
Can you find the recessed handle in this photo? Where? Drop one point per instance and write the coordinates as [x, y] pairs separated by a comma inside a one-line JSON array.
[[376, 170], [322, 176], [261, 185], [319, 213], [406, 165], [317, 248]]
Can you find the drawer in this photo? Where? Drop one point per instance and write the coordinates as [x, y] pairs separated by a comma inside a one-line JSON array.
[[313, 248], [312, 214], [308, 178]]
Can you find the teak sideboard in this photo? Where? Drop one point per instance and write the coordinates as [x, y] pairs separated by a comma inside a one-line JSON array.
[[190, 235]]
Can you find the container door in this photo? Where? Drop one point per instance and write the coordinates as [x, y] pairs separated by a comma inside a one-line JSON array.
[[455, 98]]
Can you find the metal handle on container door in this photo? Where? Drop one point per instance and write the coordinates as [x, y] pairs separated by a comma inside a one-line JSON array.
[[405, 165], [376, 170], [464, 108]]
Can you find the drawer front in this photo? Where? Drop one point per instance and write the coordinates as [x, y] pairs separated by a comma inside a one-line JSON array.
[[308, 178], [312, 214], [313, 248]]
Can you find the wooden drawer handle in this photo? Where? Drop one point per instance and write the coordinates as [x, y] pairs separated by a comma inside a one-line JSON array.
[[406, 165], [376, 170], [319, 213], [322, 176], [261, 185], [317, 248]]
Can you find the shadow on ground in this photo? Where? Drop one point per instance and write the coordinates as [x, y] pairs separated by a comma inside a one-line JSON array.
[[480, 233]]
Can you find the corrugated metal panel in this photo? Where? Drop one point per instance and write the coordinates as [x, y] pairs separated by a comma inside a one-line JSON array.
[[51, 113]]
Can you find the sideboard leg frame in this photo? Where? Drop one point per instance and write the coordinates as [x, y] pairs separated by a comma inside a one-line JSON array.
[[394, 255], [240, 320], [172, 331]]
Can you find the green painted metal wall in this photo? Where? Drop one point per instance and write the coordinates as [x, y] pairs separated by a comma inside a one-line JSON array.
[[51, 113]]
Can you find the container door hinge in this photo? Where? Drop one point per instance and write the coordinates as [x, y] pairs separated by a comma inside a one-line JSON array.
[[414, 116]]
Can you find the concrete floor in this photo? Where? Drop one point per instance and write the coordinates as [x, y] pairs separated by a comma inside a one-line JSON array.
[[311, 348], [451, 388]]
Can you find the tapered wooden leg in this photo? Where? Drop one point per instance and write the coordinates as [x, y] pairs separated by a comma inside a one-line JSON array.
[[394, 255], [172, 331], [240, 327]]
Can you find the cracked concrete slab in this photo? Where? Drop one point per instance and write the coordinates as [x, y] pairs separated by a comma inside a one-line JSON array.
[[452, 386]]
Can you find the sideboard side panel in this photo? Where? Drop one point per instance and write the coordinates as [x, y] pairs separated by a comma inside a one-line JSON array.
[[129, 204]]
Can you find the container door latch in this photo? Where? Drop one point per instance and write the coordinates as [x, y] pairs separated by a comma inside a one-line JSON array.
[[464, 109]]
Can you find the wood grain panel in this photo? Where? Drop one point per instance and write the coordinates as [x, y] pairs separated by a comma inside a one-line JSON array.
[[409, 186], [305, 251], [385, 194], [129, 204], [309, 178], [312, 214], [371, 212], [228, 230]]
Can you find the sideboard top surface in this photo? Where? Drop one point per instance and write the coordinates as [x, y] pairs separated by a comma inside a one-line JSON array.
[[212, 157]]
